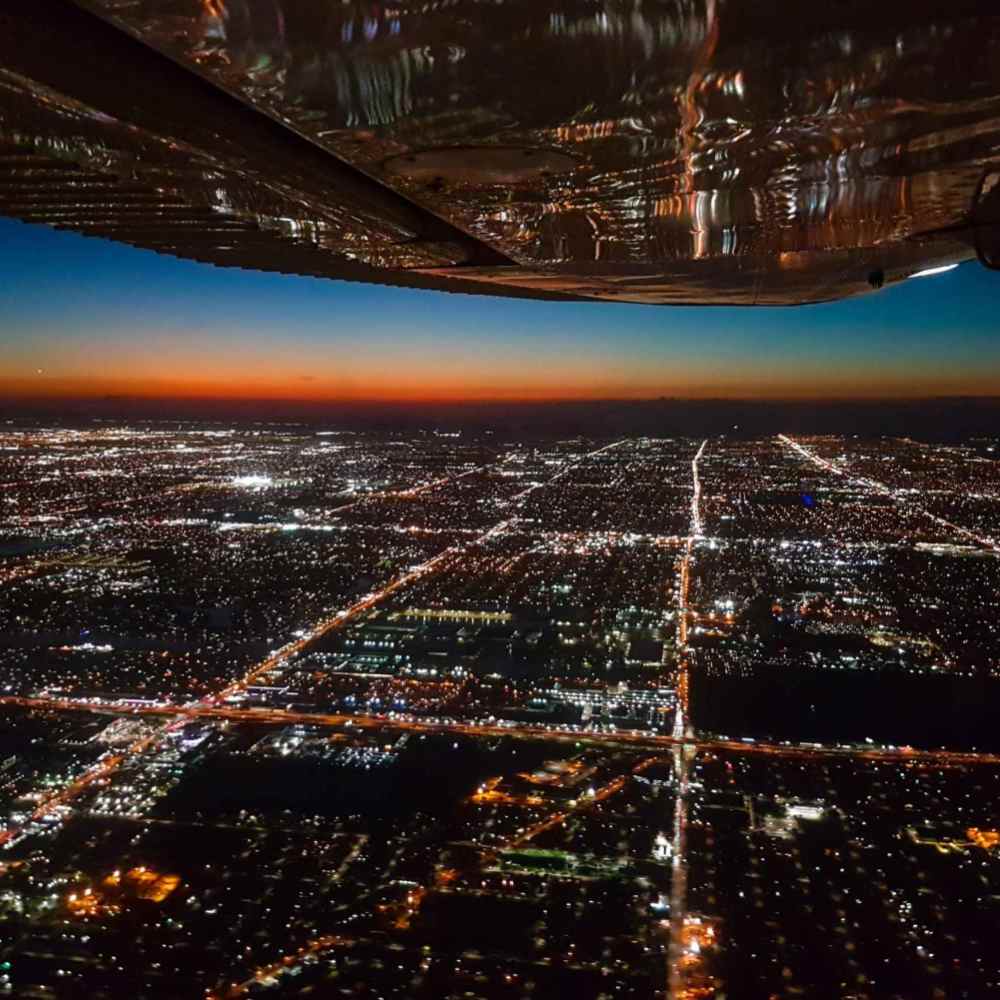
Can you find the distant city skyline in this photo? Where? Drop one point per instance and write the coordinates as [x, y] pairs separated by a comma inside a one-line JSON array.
[[87, 318]]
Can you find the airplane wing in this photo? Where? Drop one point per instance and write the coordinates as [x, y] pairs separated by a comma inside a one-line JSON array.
[[713, 152]]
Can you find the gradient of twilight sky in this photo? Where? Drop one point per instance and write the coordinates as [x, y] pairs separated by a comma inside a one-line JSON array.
[[84, 317]]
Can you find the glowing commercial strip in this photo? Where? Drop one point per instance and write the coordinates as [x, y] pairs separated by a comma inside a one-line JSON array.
[[582, 803], [683, 590], [627, 738], [696, 522], [682, 756], [268, 975]]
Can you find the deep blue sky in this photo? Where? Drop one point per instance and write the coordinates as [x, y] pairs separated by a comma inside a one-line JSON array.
[[83, 315]]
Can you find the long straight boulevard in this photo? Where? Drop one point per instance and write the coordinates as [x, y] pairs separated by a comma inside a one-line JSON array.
[[676, 971], [619, 738]]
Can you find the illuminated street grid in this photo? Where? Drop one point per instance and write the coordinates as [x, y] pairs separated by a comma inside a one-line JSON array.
[[310, 713]]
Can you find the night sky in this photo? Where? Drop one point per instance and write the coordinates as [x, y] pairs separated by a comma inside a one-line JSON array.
[[85, 317]]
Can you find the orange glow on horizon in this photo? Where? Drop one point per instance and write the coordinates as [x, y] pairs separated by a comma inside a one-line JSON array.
[[479, 387]]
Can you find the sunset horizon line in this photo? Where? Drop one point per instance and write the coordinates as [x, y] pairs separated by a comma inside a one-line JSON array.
[[499, 399]]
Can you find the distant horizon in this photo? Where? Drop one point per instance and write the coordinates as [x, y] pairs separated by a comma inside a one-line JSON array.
[[953, 419], [474, 401], [29, 391]]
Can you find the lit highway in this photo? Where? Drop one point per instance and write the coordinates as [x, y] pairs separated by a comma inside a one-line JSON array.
[[629, 738], [682, 763], [683, 590]]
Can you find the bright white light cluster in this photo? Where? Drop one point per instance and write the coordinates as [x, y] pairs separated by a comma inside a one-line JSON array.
[[252, 482]]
